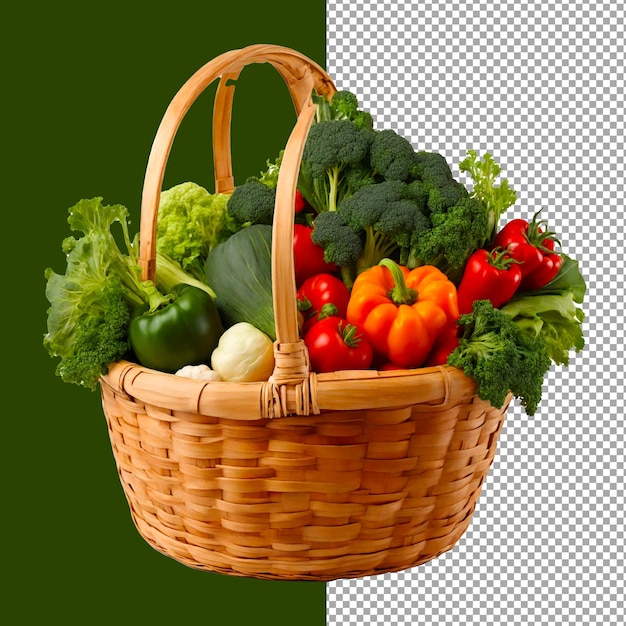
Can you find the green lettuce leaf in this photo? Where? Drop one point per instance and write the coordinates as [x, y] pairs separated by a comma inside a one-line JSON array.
[[191, 222], [552, 312], [90, 303]]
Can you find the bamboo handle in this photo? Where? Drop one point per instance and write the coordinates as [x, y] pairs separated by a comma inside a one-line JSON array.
[[290, 378], [301, 75]]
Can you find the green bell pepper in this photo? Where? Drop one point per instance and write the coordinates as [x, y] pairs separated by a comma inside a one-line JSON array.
[[182, 332]]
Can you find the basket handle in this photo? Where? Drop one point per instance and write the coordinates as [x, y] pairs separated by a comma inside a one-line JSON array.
[[301, 75]]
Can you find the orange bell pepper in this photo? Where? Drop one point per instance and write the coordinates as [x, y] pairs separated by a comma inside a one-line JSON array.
[[402, 312]]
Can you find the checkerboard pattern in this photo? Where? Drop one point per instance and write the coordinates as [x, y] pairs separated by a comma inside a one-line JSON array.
[[540, 85]]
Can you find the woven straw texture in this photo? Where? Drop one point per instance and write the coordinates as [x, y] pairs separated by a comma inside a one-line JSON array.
[[303, 476]]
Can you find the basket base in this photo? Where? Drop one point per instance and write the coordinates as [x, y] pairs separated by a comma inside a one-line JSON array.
[[354, 566], [342, 494]]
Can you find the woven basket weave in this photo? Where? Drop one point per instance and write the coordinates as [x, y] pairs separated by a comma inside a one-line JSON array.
[[303, 476]]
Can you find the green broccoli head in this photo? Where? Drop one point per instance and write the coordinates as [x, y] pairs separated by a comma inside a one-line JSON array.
[[334, 144], [430, 165], [345, 105], [454, 235], [252, 203], [388, 216], [332, 148], [342, 245], [458, 221], [500, 357], [433, 171], [391, 155]]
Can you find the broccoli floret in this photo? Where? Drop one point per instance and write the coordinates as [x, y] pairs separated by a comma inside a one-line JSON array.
[[358, 176], [419, 193], [430, 165], [99, 340], [391, 155], [342, 245], [345, 105], [443, 190], [331, 149], [454, 235], [252, 203], [500, 357], [459, 221], [388, 217]]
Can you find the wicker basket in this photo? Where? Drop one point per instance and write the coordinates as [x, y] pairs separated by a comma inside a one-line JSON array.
[[304, 476]]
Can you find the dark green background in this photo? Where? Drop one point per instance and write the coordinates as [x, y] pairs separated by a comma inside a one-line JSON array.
[[84, 87]]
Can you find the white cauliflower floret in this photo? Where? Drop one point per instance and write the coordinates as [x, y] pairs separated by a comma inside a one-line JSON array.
[[199, 372]]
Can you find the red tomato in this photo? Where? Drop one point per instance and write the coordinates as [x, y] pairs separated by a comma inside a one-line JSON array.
[[308, 256], [322, 295], [533, 247], [334, 345], [300, 202]]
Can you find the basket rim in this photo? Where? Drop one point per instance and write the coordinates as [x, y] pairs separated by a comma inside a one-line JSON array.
[[346, 390]]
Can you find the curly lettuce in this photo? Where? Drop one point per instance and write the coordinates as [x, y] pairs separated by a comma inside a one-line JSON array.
[[91, 303], [552, 312], [190, 223]]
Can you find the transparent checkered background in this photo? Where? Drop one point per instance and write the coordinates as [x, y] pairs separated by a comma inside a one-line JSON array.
[[540, 86]]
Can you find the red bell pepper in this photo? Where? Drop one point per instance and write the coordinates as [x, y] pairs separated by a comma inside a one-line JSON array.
[[533, 247], [489, 275]]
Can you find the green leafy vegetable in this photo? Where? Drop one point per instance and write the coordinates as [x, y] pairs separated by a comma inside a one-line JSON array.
[[90, 304], [191, 222], [169, 273], [497, 198], [98, 339], [269, 177], [240, 272], [551, 312]]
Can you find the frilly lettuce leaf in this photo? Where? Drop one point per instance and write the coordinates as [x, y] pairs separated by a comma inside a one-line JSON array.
[[552, 312], [90, 303], [191, 221]]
